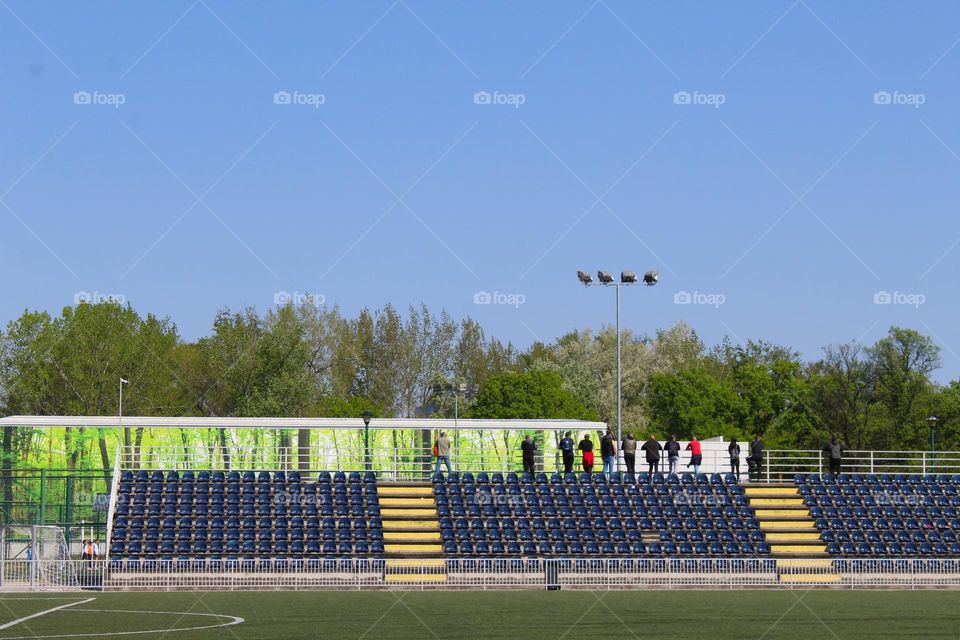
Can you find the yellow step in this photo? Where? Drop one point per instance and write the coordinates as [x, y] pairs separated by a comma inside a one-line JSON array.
[[409, 524], [772, 525], [774, 513], [415, 577], [414, 562], [775, 502], [772, 491], [406, 548], [803, 563], [386, 513], [818, 578], [386, 490], [784, 537], [798, 548], [419, 535], [407, 502]]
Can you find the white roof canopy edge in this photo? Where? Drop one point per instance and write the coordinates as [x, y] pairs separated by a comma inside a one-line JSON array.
[[165, 422]]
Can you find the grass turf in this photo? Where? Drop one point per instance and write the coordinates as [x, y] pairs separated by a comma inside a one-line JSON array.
[[474, 615]]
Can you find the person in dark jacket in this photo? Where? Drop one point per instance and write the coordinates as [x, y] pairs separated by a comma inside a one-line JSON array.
[[835, 449], [586, 446], [629, 447], [608, 451], [528, 447], [566, 448], [756, 457], [652, 448], [673, 453], [734, 451]]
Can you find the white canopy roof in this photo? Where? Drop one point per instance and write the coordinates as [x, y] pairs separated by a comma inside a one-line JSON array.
[[170, 422]]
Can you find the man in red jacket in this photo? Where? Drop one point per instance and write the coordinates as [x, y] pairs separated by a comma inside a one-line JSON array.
[[696, 455]]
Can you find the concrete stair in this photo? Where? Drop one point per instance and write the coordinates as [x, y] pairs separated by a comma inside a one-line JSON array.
[[411, 533]]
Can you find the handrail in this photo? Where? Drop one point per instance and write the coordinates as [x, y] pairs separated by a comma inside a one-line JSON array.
[[114, 490]]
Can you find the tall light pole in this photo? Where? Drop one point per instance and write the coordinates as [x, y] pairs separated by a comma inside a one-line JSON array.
[[366, 439], [464, 389], [124, 434], [932, 423], [627, 278]]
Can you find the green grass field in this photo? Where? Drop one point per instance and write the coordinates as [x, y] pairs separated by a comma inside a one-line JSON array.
[[428, 615]]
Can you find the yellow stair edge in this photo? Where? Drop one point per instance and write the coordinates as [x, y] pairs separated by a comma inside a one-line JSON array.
[[418, 535], [804, 563], [409, 524], [384, 513], [424, 548], [784, 537], [784, 491], [773, 513], [413, 502], [773, 525], [415, 577], [419, 491], [810, 577], [798, 548], [413, 562], [775, 502]]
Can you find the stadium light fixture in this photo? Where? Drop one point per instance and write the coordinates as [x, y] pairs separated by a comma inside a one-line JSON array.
[[627, 278]]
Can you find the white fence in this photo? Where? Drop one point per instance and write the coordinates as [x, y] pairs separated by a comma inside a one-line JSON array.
[[495, 574], [783, 464]]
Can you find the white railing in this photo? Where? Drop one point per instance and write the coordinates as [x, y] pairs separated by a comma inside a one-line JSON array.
[[782, 464], [492, 574], [114, 486]]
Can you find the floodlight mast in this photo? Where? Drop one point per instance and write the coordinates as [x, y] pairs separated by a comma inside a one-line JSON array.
[[627, 278]]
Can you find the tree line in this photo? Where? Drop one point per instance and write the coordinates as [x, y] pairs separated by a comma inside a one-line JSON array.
[[309, 361]]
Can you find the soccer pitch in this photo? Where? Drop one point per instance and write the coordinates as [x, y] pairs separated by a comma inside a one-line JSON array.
[[525, 614]]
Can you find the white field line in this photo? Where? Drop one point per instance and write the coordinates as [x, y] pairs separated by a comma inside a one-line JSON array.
[[43, 613], [233, 620]]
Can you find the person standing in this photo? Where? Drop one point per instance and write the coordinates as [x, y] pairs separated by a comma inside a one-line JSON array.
[[566, 449], [653, 448], [586, 446], [528, 448], [629, 447], [696, 455], [442, 449], [734, 451], [835, 449], [756, 456], [673, 453], [608, 451]]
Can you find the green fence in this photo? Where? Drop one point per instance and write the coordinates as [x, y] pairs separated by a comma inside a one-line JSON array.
[[60, 497]]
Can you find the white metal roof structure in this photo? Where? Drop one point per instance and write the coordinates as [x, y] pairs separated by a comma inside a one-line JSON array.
[[170, 422]]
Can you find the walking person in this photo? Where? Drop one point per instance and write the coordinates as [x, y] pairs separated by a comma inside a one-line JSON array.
[[608, 451], [441, 449], [835, 449], [696, 455], [652, 448], [629, 447], [734, 451], [566, 449], [586, 446], [528, 447], [756, 457], [673, 453]]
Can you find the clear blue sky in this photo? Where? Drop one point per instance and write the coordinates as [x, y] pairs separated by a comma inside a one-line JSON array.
[[797, 199]]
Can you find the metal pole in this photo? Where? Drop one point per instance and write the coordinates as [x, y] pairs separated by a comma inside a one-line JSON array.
[[933, 451], [366, 446], [456, 428], [619, 396]]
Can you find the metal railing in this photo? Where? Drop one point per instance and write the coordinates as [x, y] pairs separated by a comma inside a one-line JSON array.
[[782, 464], [487, 574]]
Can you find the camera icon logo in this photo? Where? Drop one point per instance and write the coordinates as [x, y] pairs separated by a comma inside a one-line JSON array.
[[882, 97], [282, 298], [82, 97], [882, 297], [482, 97], [682, 97], [682, 297], [482, 297], [282, 97]]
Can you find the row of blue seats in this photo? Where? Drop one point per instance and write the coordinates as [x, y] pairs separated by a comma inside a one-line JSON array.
[[245, 476], [893, 549], [884, 503], [558, 492], [482, 478], [139, 510], [543, 549], [877, 491], [249, 498], [120, 550], [203, 489], [600, 501], [219, 522], [873, 478], [219, 535], [712, 535], [886, 535], [520, 523], [895, 524]]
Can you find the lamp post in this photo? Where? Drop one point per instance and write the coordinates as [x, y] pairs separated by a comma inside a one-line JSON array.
[[456, 391], [932, 424], [124, 434], [627, 278], [366, 439]]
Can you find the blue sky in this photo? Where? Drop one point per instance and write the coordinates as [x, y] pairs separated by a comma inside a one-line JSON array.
[[195, 155]]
